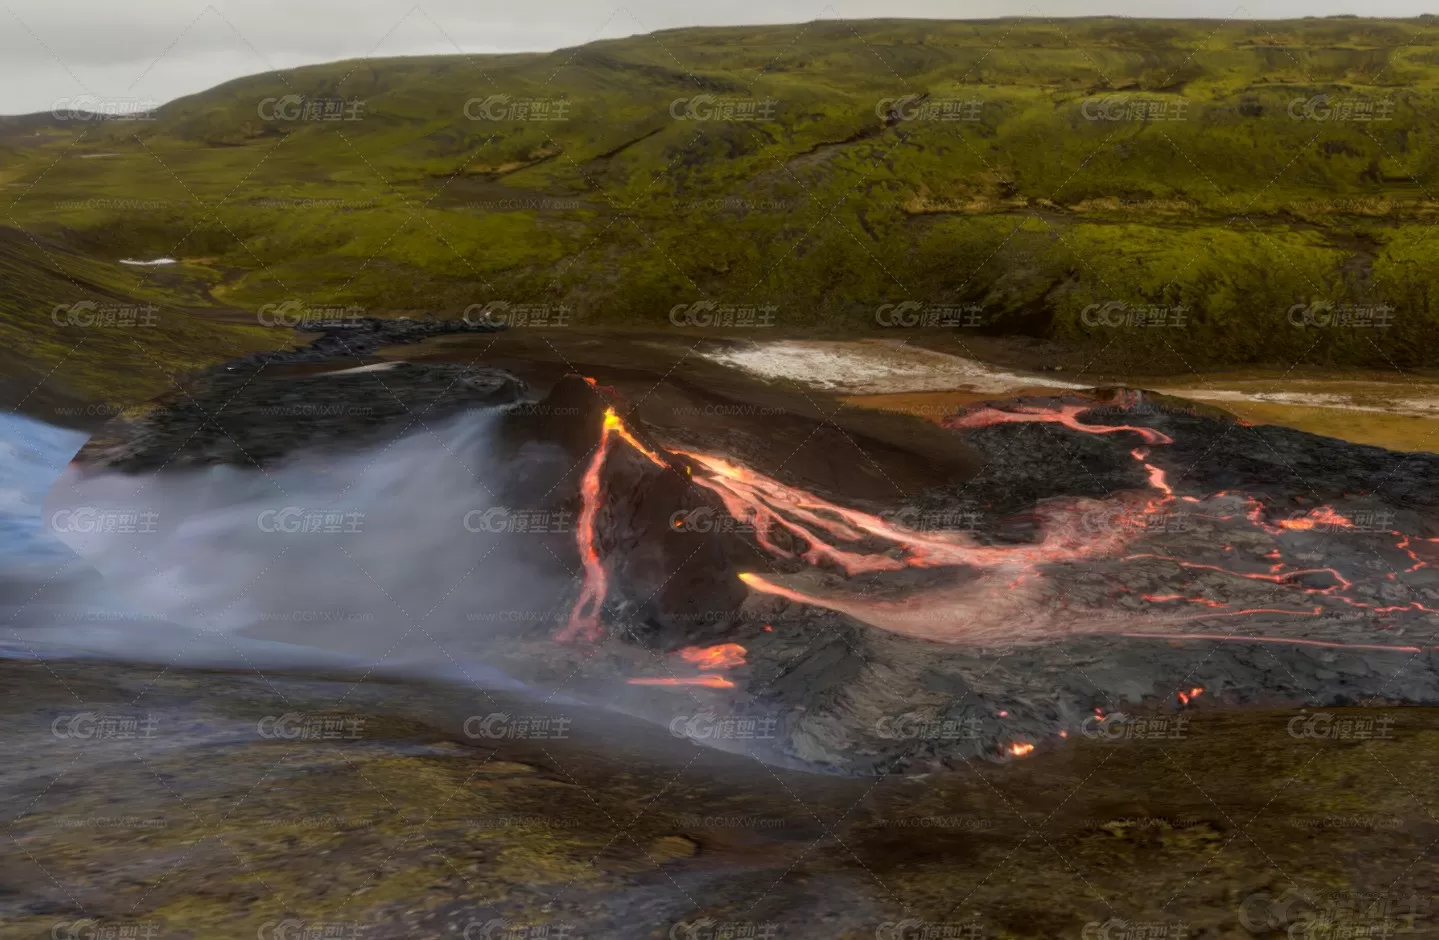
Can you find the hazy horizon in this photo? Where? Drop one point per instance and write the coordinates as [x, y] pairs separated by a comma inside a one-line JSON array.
[[160, 50]]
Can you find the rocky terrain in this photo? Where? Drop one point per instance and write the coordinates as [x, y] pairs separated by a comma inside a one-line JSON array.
[[254, 410], [1086, 555], [185, 803]]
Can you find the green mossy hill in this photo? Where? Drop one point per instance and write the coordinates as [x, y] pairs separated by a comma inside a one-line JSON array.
[[1192, 191]]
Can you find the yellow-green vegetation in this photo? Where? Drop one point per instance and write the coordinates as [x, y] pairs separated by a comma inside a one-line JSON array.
[[106, 333], [1396, 432], [1406, 432], [1232, 169]]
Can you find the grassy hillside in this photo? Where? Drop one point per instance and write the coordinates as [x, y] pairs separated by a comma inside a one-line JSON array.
[[1037, 170], [102, 333]]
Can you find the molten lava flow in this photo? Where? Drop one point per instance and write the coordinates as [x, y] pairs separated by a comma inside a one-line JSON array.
[[768, 505], [1161, 598], [766, 586], [1280, 573], [722, 656], [584, 621], [1277, 573], [1020, 748], [710, 681], [613, 422], [1067, 415], [606, 392], [982, 611], [1323, 516], [1191, 695], [1157, 479]]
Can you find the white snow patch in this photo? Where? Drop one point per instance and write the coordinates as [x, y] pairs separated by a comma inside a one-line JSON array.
[[372, 367], [871, 367], [1418, 407]]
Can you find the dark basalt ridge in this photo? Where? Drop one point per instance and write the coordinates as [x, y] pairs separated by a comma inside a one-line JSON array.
[[253, 411]]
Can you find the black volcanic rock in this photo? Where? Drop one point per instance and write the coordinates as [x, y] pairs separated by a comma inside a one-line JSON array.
[[356, 338], [252, 411], [570, 416], [253, 420], [1211, 451]]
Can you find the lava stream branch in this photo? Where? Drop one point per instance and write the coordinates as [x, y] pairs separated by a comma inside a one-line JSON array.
[[1066, 415], [766, 503], [584, 620]]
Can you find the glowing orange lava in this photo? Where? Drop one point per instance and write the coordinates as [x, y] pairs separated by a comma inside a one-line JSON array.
[[769, 505], [1067, 415], [982, 612], [1020, 748], [710, 681], [584, 620], [1323, 516], [613, 422], [1191, 695], [722, 656], [1157, 479]]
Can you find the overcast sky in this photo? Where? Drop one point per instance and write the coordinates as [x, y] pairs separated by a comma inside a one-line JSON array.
[[162, 49]]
